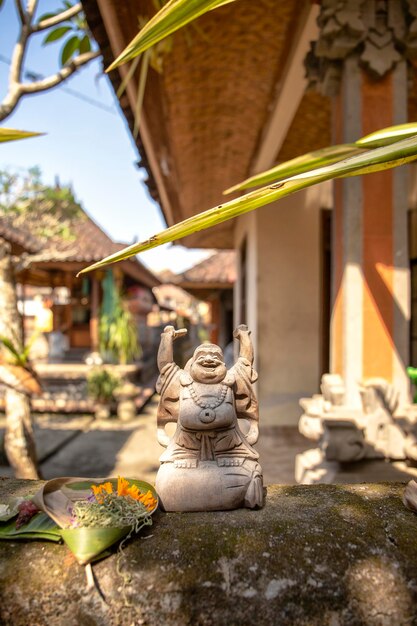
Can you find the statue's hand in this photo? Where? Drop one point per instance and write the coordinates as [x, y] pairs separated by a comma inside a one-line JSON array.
[[174, 334], [169, 330], [242, 328]]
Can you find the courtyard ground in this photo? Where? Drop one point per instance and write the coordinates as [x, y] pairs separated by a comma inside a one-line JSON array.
[[83, 446]]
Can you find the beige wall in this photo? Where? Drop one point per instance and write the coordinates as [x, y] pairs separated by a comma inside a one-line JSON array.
[[284, 294], [246, 229]]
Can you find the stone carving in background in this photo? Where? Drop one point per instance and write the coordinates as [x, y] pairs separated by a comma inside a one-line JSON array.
[[380, 33], [379, 429], [209, 463]]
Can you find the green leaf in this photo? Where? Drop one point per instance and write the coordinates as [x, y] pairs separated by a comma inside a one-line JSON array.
[[309, 161], [46, 16], [10, 134], [326, 156], [28, 347], [127, 77], [386, 136], [88, 543], [141, 92], [399, 153], [39, 527], [172, 16], [56, 34], [70, 48], [10, 346], [85, 45]]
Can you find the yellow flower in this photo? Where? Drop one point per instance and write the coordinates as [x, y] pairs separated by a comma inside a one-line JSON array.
[[122, 486], [124, 489], [134, 492], [148, 500], [100, 490]]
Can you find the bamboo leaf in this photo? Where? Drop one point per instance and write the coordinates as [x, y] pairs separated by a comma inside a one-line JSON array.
[[309, 161], [128, 76], [386, 136], [399, 153], [326, 156], [141, 92], [10, 134], [172, 16]]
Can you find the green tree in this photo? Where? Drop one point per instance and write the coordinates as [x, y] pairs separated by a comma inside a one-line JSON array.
[[69, 26], [44, 211]]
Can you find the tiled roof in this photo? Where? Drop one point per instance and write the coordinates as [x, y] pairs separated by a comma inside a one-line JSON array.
[[21, 237], [218, 269], [85, 243]]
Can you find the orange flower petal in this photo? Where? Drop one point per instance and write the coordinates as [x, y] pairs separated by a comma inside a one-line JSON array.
[[122, 486]]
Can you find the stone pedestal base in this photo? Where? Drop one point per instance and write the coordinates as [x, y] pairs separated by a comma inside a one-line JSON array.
[[210, 487]]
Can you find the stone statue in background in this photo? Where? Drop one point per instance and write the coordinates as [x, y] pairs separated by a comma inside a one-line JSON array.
[[380, 429], [209, 463]]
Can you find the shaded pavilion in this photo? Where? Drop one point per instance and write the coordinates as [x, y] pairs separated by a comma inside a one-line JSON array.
[[54, 263]]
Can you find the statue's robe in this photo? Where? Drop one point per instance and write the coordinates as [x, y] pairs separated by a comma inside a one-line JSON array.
[[220, 439]]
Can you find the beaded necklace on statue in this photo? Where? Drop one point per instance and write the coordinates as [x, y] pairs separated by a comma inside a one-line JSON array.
[[208, 413]]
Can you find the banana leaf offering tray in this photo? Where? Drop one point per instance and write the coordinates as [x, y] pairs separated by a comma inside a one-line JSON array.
[[88, 514]]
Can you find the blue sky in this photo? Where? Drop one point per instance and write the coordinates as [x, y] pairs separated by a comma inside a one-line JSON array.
[[84, 145]]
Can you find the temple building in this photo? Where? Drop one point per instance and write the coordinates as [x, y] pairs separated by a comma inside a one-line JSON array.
[[326, 278]]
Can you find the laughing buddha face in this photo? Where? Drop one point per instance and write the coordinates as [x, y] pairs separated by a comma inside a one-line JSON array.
[[208, 365]]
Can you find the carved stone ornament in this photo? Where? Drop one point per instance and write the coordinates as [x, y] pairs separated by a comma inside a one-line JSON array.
[[380, 32], [209, 463], [380, 429]]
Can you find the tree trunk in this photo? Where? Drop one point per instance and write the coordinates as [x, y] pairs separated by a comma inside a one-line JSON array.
[[19, 441]]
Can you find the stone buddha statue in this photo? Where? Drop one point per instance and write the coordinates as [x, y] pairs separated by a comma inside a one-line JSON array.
[[209, 463]]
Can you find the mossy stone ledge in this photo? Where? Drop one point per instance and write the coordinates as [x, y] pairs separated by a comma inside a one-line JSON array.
[[322, 555]]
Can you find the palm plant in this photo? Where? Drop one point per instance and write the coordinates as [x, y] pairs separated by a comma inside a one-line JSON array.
[[15, 369], [118, 332], [101, 385]]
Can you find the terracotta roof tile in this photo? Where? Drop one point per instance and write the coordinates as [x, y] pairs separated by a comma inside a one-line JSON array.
[[19, 236], [220, 268], [86, 241]]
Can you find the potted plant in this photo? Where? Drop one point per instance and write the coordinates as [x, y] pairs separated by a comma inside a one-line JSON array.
[[101, 385], [125, 396]]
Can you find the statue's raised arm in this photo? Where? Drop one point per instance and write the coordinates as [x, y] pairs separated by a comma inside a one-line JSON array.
[[166, 348], [242, 334]]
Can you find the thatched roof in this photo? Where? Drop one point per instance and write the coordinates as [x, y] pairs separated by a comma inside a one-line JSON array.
[[207, 112]]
